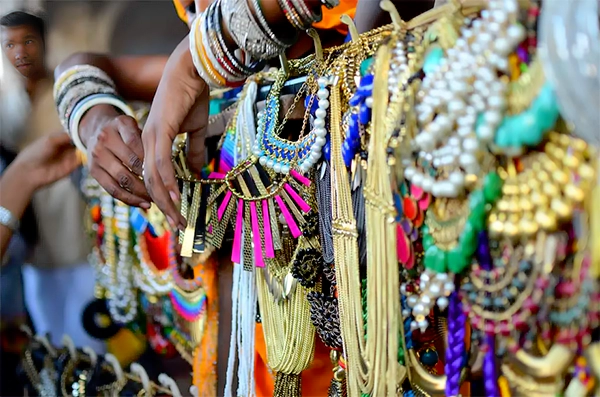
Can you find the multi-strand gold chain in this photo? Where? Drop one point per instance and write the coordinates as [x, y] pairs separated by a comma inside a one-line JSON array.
[[383, 286], [346, 257]]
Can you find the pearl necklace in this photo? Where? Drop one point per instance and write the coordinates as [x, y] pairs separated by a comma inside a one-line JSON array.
[[320, 129], [462, 88], [150, 281], [122, 303]]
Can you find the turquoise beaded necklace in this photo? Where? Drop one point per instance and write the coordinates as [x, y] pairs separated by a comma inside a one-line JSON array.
[[458, 258]]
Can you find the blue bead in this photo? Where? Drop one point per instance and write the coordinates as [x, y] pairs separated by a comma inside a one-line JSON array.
[[367, 80], [365, 91], [307, 101], [356, 99], [364, 115], [429, 357], [353, 130], [327, 150]]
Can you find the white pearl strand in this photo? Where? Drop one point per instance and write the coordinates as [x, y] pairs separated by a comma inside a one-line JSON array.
[[449, 139], [147, 280], [435, 288], [398, 66], [319, 126], [319, 130], [123, 304], [463, 86]]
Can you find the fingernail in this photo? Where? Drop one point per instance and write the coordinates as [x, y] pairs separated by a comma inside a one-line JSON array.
[[174, 196], [145, 205]]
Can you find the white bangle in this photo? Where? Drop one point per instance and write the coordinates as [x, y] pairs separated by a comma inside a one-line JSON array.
[[85, 105], [8, 219], [204, 75]]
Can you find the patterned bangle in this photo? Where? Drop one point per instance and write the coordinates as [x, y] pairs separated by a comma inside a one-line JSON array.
[[216, 56], [311, 17], [86, 104], [75, 84], [75, 95], [265, 26], [291, 14], [250, 67], [196, 56], [246, 32], [219, 67]]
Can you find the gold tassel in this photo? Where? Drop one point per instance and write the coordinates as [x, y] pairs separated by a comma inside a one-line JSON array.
[[287, 385], [190, 231]]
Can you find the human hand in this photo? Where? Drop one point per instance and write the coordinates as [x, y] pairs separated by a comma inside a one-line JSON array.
[[46, 161], [180, 105], [115, 154]]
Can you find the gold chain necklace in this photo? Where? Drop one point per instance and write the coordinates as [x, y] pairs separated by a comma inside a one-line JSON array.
[[383, 286], [346, 258]]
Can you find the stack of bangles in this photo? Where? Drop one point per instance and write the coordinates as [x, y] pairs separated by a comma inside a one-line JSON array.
[[217, 64], [80, 88]]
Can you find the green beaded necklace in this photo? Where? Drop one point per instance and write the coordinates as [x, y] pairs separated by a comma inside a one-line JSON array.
[[458, 258]]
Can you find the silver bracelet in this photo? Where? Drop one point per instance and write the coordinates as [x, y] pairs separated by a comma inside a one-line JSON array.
[[8, 219], [245, 31], [305, 13], [265, 25], [291, 15]]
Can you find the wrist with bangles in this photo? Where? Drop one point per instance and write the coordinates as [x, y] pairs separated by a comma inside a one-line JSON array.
[[80, 88], [256, 40]]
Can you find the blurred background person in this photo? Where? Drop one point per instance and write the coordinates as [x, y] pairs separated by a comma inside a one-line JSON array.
[[58, 281]]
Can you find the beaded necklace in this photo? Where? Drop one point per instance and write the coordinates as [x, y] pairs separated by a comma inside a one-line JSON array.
[[463, 87]]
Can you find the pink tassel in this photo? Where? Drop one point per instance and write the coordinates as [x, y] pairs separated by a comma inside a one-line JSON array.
[[258, 255], [296, 197], [288, 218], [237, 239], [224, 204], [269, 252], [300, 178]]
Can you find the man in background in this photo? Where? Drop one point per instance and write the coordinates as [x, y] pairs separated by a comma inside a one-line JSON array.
[[59, 282]]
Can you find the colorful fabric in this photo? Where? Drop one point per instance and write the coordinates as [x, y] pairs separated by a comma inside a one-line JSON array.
[[331, 18]]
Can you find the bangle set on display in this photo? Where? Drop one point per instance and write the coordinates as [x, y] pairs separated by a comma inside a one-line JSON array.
[[77, 90]]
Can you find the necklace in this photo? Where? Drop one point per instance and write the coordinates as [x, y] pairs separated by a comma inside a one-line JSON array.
[[280, 154], [463, 88], [345, 248], [382, 269], [122, 302]]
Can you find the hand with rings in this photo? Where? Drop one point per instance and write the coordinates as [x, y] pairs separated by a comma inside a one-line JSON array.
[[115, 154]]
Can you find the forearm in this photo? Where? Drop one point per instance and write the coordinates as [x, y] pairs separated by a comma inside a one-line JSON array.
[[15, 194], [136, 77]]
